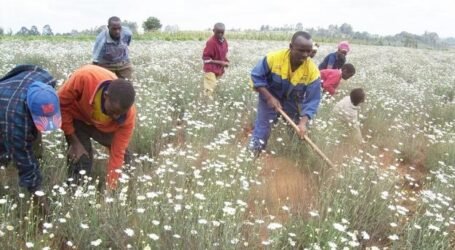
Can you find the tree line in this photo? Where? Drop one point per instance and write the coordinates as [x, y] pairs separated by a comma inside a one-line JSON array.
[[332, 32]]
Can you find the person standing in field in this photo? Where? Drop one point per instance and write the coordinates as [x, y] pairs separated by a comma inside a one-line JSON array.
[[336, 59], [331, 78], [29, 106], [111, 49], [347, 111], [215, 59], [95, 104], [285, 80]]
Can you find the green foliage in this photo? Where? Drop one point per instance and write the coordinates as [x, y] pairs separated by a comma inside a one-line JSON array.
[[152, 24], [192, 182]]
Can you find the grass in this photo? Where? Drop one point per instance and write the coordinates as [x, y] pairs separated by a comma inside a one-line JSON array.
[[191, 182]]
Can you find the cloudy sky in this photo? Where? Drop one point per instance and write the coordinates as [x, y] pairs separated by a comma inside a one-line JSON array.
[[382, 17]]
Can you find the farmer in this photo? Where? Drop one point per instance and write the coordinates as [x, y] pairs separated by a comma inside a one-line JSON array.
[[347, 111], [285, 79], [336, 59], [111, 49], [29, 106], [95, 104], [214, 59], [331, 78]]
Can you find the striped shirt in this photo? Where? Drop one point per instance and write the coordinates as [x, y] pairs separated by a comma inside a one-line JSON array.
[[17, 130]]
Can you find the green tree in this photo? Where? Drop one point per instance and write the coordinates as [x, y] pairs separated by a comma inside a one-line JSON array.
[[152, 24], [346, 28], [47, 31], [1, 31], [34, 31], [23, 31]]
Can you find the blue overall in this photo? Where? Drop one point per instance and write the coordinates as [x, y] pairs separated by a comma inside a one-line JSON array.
[[299, 92]]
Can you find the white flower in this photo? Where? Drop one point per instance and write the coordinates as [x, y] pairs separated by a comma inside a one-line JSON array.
[[47, 225], [393, 237], [273, 226], [393, 224], [266, 242], [339, 227], [202, 221], [435, 228], [153, 236], [365, 235], [2, 201], [69, 243], [84, 226], [9, 228], [29, 244], [229, 210], [314, 213], [39, 193], [129, 232], [96, 242], [199, 196]]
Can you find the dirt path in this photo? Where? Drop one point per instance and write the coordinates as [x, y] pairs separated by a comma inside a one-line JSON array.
[[284, 190]]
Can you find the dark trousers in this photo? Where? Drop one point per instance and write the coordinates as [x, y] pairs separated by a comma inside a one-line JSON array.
[[84, 133]]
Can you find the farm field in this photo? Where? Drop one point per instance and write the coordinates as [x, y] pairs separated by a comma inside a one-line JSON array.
[[194, 184]]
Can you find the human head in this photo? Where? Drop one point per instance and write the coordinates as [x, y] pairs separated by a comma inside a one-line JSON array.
[[314, 50], [357, 96], [115, 27], [119, 97], [344, 48], [300, 47], [44, 107], [347, 71], [218, 31]]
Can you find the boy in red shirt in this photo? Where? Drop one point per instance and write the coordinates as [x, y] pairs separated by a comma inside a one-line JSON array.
[[331, 77], [214, 58]]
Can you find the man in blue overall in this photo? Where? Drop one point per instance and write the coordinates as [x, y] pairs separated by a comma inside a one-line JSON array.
[[288, 80]]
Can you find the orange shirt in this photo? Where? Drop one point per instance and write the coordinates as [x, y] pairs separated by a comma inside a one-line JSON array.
[[77, 97]]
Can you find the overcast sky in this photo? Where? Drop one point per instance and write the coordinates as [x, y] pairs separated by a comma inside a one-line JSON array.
[[383, 17]]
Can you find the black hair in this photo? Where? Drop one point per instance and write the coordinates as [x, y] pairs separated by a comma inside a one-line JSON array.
[[113, 19], [357, 96], [219, 25], [122, 91], [349, 68], [304, 34]]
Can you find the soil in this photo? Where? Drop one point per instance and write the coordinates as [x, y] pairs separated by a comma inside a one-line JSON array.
[[284, 190]]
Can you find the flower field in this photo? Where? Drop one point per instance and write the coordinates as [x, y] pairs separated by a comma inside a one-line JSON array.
[[194, 185]]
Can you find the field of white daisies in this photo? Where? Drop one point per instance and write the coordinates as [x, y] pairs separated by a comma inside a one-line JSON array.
[[194, 184]]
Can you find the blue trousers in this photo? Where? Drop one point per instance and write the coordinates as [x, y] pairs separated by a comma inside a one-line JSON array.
[[266, 116]]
